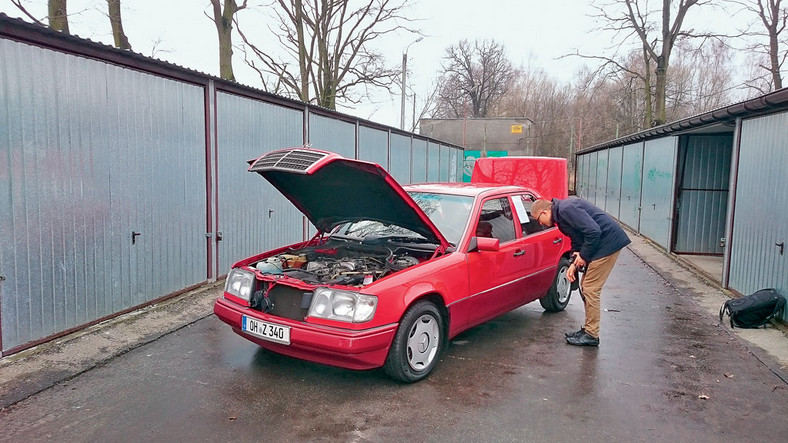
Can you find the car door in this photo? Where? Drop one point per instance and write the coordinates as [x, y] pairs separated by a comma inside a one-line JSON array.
[[542, 249], [495, 277]]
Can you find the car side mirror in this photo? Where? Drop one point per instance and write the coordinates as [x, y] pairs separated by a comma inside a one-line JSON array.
[[484, 244]]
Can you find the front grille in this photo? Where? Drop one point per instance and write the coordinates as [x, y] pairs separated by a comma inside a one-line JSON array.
[[284, 301], [293, 160]]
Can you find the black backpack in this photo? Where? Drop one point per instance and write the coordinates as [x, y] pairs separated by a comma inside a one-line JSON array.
[[754, 310]]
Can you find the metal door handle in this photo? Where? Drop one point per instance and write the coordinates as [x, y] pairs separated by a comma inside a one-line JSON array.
[[780, 245], [558, 240], [519, 253]]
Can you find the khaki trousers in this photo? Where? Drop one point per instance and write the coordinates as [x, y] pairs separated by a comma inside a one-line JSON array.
[[596, 274]]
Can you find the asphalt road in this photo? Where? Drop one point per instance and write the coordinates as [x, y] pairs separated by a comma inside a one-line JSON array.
[[665, 371]]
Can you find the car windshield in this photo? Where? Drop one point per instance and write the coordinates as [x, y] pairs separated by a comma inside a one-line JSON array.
[[449, 213], [370, 229]]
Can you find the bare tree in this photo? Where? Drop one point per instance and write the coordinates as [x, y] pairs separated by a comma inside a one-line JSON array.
[[326, 49], [121, 40], [544, 101], [773, 15], [700, 80], [475, 76], [224, 19], [23, 9], [656, 32], [57, 14]]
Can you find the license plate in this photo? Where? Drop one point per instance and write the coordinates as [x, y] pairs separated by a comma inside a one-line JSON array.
[[268, 331]]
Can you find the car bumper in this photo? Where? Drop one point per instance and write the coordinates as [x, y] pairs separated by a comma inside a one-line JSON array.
[[357, 350]]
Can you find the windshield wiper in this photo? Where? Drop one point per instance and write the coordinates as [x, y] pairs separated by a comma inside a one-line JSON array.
[[345, 237], [395, 238]]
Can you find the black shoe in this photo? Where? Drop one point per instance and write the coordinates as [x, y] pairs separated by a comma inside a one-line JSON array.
[[583, 339], [575, 333]]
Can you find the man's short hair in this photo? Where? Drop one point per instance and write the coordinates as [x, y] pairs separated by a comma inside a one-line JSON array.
[[541, 205]]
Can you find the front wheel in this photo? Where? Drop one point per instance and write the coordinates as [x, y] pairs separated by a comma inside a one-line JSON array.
[[417, 344], [557, 296]]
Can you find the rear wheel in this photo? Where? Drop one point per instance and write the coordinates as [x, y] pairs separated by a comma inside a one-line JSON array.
[[417, 344], [557, 296]]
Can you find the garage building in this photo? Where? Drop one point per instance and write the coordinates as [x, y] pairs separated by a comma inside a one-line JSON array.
[[709, 189]]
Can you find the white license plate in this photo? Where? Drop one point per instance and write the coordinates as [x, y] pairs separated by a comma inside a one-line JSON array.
[[268, 331]]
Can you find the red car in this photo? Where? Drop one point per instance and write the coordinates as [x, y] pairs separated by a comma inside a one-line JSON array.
[[393, 272]]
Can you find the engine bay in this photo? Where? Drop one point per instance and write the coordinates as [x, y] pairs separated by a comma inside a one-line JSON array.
[[343, 263]]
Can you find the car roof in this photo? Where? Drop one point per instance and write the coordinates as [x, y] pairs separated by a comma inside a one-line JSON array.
[[466, 189]]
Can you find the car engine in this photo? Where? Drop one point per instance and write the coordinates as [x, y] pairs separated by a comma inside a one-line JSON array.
[[342, 263]]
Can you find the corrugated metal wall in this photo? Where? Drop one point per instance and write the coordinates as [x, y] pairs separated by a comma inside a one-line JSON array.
[[601, 178], [92, 152], [659, 162], [400, 158], [631, 177], [433, 162], [761, 219], [592, 168], [419, 164], [332, 135], [582, 189], [613, 194], [89, 153], [702, 199], [373, 146], [455, 165], [251, 212], [445, 167]]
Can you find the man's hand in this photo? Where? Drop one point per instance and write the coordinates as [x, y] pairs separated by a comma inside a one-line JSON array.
[[579, 262], [570, 273]]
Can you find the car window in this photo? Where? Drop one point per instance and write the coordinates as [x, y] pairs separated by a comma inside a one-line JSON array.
[[449, 213], [522, 205], [496, 220]]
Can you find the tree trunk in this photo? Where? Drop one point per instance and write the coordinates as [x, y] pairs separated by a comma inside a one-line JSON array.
[[224, 28], [775, 62], [121, 40], [303, 59], [659, 93], [649, 97], [58, 15], [772, 26]]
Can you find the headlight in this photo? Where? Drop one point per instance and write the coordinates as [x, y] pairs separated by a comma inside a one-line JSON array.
[[240, 283], [336, 304]]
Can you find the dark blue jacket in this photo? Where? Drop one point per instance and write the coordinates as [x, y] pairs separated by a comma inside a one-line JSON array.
[[593, 232]]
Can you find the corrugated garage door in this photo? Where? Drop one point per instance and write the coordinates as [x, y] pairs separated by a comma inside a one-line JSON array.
[[659, 160], [757, 242]]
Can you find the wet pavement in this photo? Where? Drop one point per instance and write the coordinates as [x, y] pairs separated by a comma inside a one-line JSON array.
[[666, 370]]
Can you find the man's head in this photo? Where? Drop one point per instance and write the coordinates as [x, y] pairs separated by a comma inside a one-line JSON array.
[[542, 211]]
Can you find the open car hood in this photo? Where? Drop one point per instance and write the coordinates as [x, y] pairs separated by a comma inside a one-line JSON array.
[[330, 190]]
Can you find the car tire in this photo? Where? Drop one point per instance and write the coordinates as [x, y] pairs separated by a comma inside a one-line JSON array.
[[558, 295], [418, 343]]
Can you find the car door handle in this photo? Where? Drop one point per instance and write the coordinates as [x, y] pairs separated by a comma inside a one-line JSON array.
[[558, 240], [519, 253]]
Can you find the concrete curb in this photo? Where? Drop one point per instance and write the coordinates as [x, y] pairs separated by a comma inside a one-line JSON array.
[[36, 369]]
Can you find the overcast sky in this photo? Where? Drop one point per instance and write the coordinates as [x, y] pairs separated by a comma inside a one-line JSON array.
[[534, 32]]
